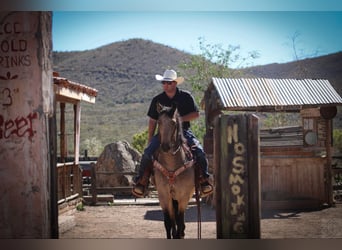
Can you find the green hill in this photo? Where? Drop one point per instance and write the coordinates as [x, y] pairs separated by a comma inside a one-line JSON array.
[[123, 73]]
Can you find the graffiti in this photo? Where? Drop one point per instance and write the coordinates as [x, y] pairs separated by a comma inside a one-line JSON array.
[[20, 126], [236, 180]]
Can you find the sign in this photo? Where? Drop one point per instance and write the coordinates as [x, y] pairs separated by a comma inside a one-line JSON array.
[[237, 177]]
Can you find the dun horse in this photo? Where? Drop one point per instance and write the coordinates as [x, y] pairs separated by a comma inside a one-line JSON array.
[[173, 173]]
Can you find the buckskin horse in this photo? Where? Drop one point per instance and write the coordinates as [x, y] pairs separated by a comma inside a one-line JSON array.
[[174, 174]]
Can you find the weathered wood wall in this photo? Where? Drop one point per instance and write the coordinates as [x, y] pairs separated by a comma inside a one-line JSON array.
[[291, 182]]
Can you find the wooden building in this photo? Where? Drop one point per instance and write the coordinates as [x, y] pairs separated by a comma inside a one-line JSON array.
[[295, 161], [69, 95]]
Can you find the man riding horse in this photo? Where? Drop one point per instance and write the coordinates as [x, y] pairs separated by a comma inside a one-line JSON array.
[[188, 111]]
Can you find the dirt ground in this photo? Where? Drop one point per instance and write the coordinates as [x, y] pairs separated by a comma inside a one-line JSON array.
[[146, 222]]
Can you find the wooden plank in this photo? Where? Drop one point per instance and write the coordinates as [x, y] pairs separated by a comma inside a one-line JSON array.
[[254, 179], [114, 173], [281, 143], [93, 190], [291, 204], [288, 153], [281, 149], [336, 171], [292, 179], [238, 196]]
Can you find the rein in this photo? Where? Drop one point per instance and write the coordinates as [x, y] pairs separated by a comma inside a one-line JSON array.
[[197, 195]]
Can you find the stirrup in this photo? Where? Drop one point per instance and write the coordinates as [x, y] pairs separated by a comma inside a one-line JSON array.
[[139, 190], [206, 189]]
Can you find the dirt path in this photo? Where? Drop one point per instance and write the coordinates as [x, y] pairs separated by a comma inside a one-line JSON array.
[[141, 222]]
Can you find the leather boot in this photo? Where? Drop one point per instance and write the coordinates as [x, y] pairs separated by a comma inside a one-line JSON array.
[[140, 187], [206, 187]]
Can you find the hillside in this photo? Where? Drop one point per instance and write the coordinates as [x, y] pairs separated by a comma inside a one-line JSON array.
[[326, 67], [123, 73]]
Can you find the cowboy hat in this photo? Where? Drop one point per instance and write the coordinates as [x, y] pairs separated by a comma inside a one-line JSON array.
[[169, 76]]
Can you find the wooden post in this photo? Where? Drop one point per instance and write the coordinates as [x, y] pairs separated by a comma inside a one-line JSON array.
[[236, 156], [53, 174], [77, 131], [26, 101], [62, 132], [77, 180], [328, 169], [93, 184], [328, 113]]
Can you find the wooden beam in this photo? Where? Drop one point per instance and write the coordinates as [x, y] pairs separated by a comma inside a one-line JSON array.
[[62, 145], [77, 131], [66, 92]]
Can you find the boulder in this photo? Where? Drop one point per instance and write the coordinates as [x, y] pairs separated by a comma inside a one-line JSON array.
[[116, 165]]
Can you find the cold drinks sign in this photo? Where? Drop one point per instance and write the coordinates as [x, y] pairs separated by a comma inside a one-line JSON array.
[[16, 46], [13, 48]]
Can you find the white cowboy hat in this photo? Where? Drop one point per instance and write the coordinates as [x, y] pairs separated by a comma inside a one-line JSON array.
[[169, 76]]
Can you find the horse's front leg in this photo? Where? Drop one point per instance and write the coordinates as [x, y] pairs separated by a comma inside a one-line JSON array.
[[170, 225], [180, 224]]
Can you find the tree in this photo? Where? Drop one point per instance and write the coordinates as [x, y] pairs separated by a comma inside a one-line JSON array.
[[299, 54], [215, 60], [93, 145]]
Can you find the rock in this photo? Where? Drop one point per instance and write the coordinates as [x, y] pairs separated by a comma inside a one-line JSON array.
[[113, 166]]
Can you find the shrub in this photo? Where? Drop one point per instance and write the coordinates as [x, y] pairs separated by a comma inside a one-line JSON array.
[[337, 139], [140, 141]]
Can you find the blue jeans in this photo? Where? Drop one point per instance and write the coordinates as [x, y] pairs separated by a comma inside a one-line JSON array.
[[193, 143]]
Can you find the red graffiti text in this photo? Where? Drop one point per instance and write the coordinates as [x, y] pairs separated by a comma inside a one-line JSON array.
[[19, 126]]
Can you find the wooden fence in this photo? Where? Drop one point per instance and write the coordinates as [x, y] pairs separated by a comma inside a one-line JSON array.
[[69, 181]]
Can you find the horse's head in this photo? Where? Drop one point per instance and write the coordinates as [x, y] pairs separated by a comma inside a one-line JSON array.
[[169, 125]]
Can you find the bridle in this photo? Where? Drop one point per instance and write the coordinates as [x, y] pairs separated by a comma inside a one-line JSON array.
[[180, 145]]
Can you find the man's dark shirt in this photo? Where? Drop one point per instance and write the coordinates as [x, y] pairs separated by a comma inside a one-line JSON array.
[[183, 99]]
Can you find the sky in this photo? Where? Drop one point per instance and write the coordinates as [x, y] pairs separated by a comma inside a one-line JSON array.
[[268, 31]]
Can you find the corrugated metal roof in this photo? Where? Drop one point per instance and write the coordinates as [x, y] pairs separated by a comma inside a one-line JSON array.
[[287, 94]]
